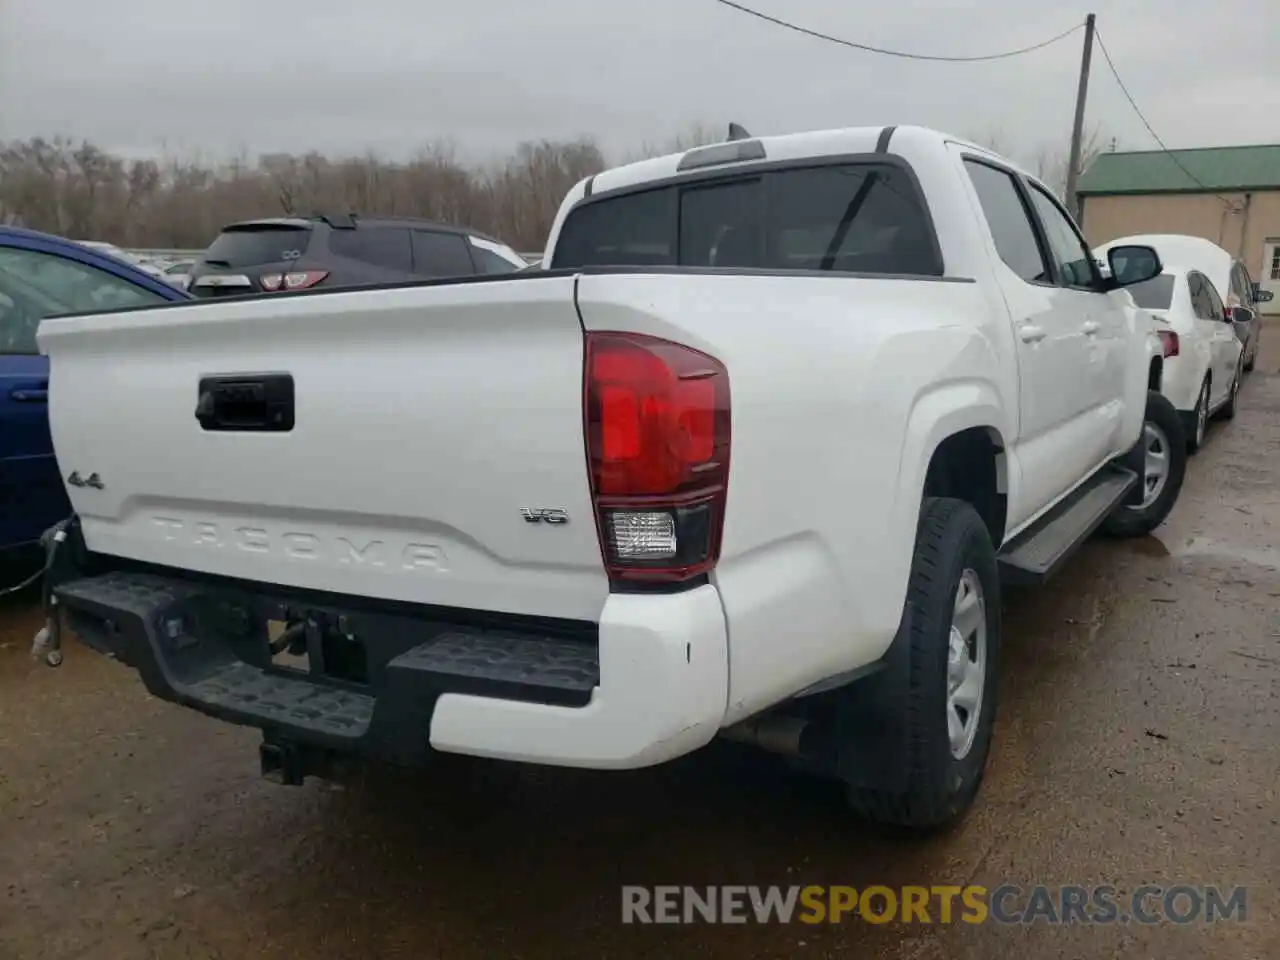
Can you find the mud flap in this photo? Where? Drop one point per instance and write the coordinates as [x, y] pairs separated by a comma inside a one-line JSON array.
[[862, 736], [1135, 460]]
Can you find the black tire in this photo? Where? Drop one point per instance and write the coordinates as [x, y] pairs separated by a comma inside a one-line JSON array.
[[1165, 425], [1228, 411], [1253, 356], [950, 540], [1198, 423]]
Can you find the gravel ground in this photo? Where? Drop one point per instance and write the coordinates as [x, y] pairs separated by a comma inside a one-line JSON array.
[[1137, 743]]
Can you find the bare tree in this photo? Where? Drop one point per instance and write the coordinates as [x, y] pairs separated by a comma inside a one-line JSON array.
[[1051, 163], [79, 190]]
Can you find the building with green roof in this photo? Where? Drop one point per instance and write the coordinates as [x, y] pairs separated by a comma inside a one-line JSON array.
[[1230, 195]]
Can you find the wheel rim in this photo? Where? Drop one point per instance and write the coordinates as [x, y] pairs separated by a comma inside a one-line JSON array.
[[1202, 414], [1155, 465], [966, 664]]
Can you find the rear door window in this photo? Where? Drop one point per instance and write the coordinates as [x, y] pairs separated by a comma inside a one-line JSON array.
[[252, 246], [1201, 304], [1217, 310], [439, 254], [860, 218], [386, 247]]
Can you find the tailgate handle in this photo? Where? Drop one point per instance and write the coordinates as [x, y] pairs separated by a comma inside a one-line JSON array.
[[246, 402]]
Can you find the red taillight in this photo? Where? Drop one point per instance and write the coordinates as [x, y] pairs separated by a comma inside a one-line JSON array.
[[657, 422], [1169, 340], [297, 280]]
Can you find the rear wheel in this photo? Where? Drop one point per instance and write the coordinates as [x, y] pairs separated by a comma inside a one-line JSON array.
[[1164, 449], [953, 639]]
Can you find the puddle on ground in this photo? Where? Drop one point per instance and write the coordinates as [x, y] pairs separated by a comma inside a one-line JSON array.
[[1267, 557]]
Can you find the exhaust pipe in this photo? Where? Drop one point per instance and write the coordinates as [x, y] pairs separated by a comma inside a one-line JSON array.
[[775, 734]]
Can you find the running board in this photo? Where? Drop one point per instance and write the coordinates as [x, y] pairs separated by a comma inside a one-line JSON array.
[[1037, 553]]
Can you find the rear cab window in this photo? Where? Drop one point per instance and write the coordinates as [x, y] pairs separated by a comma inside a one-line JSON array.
[[1154, 294], [857, 217]]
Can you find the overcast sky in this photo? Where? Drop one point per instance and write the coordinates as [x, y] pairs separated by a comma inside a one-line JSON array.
[[177, 76]]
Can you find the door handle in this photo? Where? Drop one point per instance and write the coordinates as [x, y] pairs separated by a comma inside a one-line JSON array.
[[25, 395], [1090, 327], [1030, 333]]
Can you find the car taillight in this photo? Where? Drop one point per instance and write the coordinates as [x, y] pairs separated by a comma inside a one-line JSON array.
[[657, 424], [297, 280], [1169, 340]]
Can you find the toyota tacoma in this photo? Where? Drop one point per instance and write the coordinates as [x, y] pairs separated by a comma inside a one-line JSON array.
[[751, 456]]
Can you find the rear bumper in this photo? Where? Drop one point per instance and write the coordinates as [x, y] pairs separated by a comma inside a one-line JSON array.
[[647, 684]]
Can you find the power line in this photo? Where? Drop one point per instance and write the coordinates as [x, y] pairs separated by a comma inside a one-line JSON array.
[[867, 48], [1155, 136]]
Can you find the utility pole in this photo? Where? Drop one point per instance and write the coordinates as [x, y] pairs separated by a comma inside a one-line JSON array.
[[1077, 129]]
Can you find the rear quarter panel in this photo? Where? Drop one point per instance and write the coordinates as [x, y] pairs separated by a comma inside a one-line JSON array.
[[841, 389]]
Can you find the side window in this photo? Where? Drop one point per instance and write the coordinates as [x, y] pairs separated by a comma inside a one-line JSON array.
[[1009, 222], [1075, 262], [35, 285], [438, 254], [386, 247]]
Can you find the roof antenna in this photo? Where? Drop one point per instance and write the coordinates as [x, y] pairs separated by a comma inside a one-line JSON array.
[[737, 132]]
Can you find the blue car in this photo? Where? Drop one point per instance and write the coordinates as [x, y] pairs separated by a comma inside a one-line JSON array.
[[41, 276]]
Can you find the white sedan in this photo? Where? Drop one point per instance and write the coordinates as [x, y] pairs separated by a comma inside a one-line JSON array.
[[1203, 366]]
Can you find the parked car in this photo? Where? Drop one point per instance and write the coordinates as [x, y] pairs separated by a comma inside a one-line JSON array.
[[1204, 362], [299, 253], [178, 273], [1228, 274], [495, 517], [43, 276], [110, 249]]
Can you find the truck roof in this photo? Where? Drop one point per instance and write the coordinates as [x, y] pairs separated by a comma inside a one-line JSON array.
[[813, 144]]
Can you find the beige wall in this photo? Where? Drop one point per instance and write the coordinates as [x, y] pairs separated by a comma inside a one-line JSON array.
[[1200, 215]]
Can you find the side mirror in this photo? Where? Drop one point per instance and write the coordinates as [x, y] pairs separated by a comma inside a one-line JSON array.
[[1262, 296], [1240, 315], [1130, 265]]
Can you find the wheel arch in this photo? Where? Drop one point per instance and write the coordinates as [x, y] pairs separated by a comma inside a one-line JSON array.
[[960, 422]]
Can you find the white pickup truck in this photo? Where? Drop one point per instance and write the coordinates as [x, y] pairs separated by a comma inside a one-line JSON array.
[[751, 455]]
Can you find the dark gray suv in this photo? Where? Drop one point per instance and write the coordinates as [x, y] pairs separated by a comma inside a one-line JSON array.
[[301, 253]]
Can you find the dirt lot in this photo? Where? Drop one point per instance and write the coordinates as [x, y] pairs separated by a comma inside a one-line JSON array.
[[1138, 743]]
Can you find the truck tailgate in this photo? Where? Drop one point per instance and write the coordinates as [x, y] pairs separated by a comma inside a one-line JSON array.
[[431, 425]]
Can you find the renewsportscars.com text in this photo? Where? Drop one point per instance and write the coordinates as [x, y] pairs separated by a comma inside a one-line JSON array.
[[1006, 904]]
